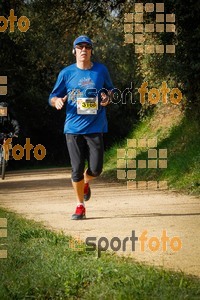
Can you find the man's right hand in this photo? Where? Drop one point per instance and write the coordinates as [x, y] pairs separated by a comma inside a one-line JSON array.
[[58, 103]]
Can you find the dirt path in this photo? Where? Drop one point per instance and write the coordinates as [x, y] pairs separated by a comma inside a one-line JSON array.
[[113, 211]]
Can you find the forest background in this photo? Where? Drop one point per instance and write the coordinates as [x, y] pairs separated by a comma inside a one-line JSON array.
[[31, 61]]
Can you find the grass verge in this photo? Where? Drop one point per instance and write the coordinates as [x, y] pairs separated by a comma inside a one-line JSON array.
[[41, 265], [174, 132]]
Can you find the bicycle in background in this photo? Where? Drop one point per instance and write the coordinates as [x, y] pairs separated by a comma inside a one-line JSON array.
[[5, 153]]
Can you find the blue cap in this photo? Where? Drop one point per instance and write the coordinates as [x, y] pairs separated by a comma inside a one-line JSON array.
[[82, 39]]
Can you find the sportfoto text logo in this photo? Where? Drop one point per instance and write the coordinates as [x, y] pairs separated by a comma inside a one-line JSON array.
[[23, 22], [146, 243], [151, 95], [17, 151]]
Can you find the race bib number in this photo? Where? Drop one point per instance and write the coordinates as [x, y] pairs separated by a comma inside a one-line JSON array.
[[87, 106]]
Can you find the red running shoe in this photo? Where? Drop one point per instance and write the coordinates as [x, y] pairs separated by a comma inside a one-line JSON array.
[[87, 192], [79, 213]]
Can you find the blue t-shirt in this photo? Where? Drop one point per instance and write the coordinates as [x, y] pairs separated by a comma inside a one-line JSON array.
[[77, 83]]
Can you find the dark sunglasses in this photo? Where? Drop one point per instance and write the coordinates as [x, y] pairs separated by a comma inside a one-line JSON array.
[[88, 47]]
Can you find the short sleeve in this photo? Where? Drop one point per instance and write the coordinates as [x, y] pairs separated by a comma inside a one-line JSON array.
[[59, 89]]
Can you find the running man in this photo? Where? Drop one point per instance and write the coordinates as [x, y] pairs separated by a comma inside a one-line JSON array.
[[86, 88]]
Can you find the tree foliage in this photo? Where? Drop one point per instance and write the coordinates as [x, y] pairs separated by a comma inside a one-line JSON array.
[[32, 60]]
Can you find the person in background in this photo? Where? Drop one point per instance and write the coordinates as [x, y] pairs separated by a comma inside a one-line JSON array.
[[86, 89], [8, 123]]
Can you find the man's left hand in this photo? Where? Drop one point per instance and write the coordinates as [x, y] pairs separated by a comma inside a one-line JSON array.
[[105, 99]]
